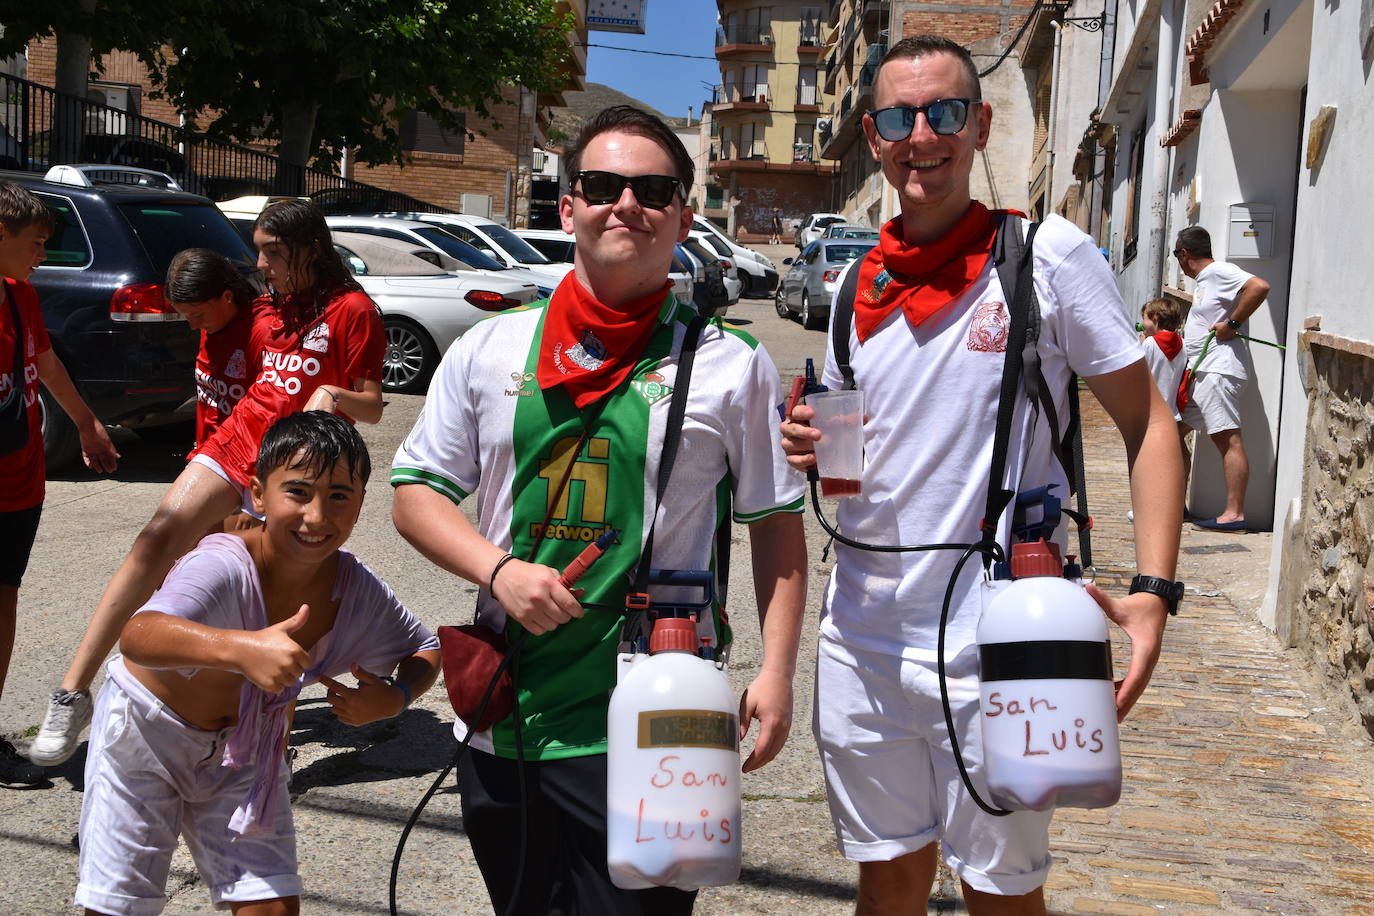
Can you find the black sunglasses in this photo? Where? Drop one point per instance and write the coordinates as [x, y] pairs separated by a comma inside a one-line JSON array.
[[654, 191], [945, 116]]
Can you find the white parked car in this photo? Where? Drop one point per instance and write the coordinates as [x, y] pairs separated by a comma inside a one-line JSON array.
[[424, 307], [559, 246], [756, 271], [496, 241], [814, 227], [450, 252]]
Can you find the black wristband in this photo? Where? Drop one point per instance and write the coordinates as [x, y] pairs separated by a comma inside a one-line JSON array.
[[1171, 592], [491, 582]]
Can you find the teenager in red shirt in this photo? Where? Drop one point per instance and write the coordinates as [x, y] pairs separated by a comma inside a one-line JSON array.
[[321, 349], [26, 358]]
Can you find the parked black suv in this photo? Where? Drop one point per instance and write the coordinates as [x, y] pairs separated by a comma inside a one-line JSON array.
[[131, 356]]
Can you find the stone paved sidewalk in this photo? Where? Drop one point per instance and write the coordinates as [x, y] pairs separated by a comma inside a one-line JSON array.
[[1248, 787]]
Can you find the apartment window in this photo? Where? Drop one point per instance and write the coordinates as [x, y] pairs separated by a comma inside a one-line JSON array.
[[421, 133], [727, 143], [753, 84], [802, 148], [1134, 180], [806, 86], [811, 27], [749, 27], [751, 140]]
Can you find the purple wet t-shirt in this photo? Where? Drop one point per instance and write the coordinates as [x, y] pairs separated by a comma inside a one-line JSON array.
[[217, 585]]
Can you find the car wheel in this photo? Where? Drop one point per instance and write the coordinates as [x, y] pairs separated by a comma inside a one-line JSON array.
[[780, 303], [410, 359], [809, 319], [61, 441]]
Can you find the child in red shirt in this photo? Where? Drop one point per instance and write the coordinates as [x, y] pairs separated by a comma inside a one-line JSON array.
[[26, 357], [322, 348]]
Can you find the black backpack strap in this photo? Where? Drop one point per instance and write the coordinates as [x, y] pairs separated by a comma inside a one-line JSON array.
[[637, 599], [841, 321], [1012, 256]]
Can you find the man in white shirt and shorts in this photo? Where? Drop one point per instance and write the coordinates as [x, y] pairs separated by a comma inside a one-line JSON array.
[[1224, 298]]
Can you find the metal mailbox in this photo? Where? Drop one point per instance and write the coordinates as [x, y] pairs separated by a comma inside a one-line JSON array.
[[1251, 231]]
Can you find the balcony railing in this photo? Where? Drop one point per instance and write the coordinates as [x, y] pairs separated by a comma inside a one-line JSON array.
[[40, 128], [803, 152], [806, 95], [715, 197], [734, 93], [749, 149], [743, 35]]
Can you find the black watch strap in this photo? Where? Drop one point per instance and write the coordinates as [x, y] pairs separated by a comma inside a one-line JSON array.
[[1171, 592], [1233, 324]]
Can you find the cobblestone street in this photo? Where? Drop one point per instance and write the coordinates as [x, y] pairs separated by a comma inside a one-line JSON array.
[[1248, 786]]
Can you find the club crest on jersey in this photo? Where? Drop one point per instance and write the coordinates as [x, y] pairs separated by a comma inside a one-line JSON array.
[[237, 367], [589, 354], [880, 282], [651, 387], [987, 333], [317, 338], [522, 385]]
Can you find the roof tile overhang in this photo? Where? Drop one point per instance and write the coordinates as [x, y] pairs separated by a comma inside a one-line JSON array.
[[1206, 35], [1186, 124]]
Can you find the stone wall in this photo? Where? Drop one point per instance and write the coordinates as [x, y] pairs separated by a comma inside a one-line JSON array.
[[1326, 599]]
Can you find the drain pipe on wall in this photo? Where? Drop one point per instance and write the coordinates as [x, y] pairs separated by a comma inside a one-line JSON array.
[[1166, 70], [1054, 110]]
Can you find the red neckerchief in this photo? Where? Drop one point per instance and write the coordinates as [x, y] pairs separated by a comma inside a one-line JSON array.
[[588, 347], [1169, 343], [922, 279]]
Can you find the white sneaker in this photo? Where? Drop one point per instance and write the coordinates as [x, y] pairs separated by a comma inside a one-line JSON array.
[[69, 712]]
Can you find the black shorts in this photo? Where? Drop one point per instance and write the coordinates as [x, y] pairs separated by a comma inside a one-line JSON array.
[[565, 853], [17, 531]]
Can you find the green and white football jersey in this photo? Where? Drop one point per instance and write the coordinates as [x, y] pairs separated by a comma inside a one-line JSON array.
[[488, 429]]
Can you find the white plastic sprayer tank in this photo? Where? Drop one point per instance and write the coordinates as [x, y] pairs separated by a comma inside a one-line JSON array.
[[673, 770], [1048, 705]]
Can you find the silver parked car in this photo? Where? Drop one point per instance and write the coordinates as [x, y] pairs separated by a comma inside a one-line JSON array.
[[424, 307], [808, 287], [850, 231]]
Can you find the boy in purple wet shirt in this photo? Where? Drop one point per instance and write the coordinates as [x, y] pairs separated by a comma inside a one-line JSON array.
[[190, 726]]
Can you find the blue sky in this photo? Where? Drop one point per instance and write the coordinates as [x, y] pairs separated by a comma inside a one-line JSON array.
[[669, 84]]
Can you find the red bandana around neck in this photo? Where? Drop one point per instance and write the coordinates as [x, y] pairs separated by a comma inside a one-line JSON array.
[[1169, 343], [922, 279], [589, 347]]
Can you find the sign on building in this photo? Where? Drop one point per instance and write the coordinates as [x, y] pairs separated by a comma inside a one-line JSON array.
[[616, 15]]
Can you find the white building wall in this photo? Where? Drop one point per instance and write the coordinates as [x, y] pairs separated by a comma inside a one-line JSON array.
[[1333, 243]]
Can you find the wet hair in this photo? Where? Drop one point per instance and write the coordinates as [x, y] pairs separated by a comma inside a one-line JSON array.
[[320, 438], [201, 274], [924, 45], [20, 209], [299, 225], [1164, 312], [628, 119], [1195, 241]]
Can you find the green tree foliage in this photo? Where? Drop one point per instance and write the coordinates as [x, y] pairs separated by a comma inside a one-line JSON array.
[[319, 76]]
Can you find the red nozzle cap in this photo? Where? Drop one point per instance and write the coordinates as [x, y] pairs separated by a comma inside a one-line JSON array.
[[673, 634], [1037, 558]]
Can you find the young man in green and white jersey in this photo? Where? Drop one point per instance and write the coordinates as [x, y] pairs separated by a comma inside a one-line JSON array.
[[592, 372]]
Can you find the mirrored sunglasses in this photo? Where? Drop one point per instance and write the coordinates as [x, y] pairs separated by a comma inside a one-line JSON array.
[[945, 116], [655, 191]]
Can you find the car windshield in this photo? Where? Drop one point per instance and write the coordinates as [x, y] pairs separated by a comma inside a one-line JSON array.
[[846, 252], [456, 247], [721, 248], [828, 221], [514, 245], [165, 228]]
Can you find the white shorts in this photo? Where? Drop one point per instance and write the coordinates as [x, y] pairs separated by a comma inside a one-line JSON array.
[[1214, 403], [151, 776], [891, 778], [245, 496]]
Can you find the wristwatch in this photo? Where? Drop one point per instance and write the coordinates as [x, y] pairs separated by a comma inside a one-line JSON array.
[[1171, 592], [1233, 324]]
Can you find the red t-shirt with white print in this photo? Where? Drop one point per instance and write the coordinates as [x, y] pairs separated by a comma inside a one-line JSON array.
[[22, 474], [347, 342]]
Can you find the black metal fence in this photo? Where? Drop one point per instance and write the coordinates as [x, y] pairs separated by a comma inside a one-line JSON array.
[[40, 128]]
